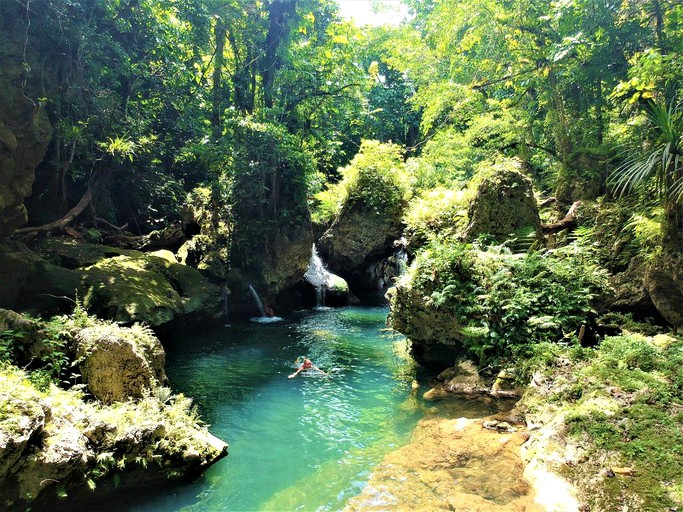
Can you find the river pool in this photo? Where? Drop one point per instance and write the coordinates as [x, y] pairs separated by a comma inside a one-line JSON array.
[[308, 443]]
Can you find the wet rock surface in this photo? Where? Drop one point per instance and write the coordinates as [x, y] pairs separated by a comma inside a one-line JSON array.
[[451, 464]]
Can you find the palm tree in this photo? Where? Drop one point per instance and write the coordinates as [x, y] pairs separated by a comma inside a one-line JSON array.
[[659, 160]]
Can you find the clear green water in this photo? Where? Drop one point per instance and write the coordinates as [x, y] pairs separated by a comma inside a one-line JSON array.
[[308, 443]]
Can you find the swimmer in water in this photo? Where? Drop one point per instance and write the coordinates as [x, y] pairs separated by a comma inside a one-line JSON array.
[[307, 365]]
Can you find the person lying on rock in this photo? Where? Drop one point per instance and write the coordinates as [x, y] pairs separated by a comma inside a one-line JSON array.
[[306, 365]]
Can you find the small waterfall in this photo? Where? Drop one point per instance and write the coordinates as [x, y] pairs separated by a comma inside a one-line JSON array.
[[318, 276], [258, 302], [401, 261], [224, 303]]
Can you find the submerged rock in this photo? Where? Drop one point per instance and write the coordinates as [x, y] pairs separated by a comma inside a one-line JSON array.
[[451, 464]]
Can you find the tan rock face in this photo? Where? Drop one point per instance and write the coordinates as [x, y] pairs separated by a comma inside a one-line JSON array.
[[117, 365], [451, 464]]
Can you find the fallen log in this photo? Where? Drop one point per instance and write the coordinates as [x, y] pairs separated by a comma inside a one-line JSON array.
[[569, 221]]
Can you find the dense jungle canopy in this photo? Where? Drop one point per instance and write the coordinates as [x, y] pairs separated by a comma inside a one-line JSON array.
[[151, 99]]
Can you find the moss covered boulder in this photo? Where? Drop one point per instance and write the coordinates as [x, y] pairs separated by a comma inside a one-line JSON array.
[[117, 364], [456, 300], [33, 284], [149, 289], [503, 205]]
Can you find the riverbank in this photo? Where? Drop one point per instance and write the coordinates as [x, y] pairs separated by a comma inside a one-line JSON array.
[[90, 405]]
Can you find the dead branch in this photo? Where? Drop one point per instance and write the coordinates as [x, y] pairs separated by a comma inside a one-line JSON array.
[[547, 202], [60, 224], [99, 220], [569, 221]]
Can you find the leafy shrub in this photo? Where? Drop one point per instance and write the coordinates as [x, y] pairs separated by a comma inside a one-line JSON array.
[[440, 211], [507, 302], [375, 177]]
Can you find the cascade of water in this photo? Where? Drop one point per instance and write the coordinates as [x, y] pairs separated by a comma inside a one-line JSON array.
[[401, 261], [224, 303], [258, 302], [318, 276]]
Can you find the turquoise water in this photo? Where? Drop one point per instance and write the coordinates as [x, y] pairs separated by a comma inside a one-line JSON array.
[[307, 443]]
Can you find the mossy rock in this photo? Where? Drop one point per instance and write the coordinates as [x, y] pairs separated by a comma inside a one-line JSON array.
[[118, 364], [147, 289], [72, 254], [130, 290], [32, 284], [504, 204]]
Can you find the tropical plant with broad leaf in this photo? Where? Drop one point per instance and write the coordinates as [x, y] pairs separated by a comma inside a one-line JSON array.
[[658, 162]]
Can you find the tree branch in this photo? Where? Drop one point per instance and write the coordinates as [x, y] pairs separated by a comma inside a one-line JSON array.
[[569, 221], [60, 224]]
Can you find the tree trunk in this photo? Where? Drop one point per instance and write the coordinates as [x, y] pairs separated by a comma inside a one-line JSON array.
[[60, 224], [279, 14], [219, 34], [569, 221]]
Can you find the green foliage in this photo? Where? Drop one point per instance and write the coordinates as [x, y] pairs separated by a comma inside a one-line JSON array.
[[623, 402], [662, 162], [9, 345], [507, 302], [437, 212], [376, 178]]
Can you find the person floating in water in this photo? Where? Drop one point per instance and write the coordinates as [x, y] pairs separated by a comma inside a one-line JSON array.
[[306, 365]]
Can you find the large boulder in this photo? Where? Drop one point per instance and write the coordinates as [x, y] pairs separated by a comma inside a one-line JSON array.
[[119, 284], [504, 204], [147, 288], [357, 240], [664, 284], [32, 284], [435, 332], [118, 364]]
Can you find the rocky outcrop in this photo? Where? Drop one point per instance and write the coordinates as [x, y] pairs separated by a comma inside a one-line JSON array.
[[55, 444], [434, 332], [119, 284], [664, 285], [357, 240], [464, 380], [451, 464], [504, 204], [118, 364], [147, 288], [33, 284], [25, 133]]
